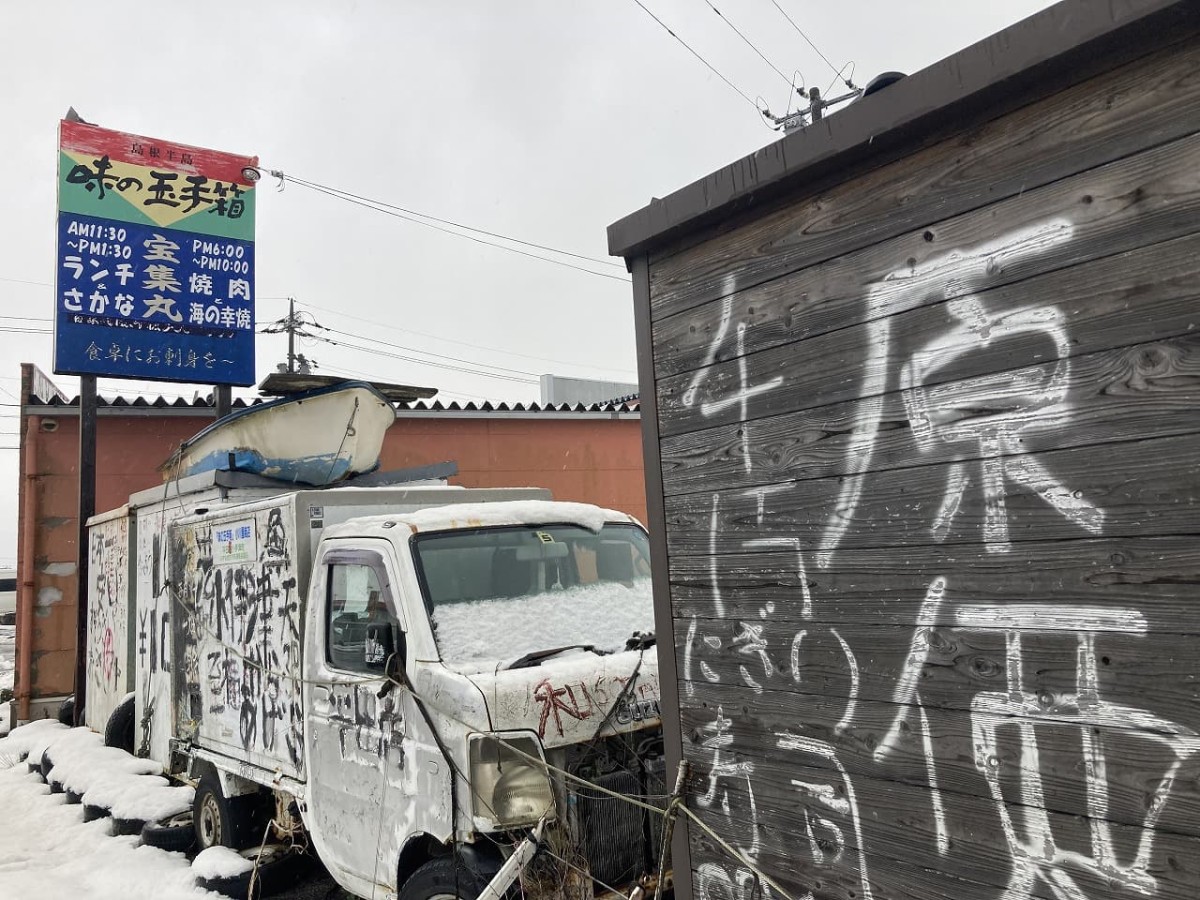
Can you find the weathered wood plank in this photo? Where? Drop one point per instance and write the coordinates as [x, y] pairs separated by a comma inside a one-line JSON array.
[[900, 826], [783, 313], [868, 747], [1124, 490], [951, 668], [1088, 125], [862, 352], [1160, 577], [1110, 396]]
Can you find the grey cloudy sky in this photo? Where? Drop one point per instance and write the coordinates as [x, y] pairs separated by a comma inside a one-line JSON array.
[[538, 119]]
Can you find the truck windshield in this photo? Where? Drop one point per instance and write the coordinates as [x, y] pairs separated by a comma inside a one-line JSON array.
[[497, 594]]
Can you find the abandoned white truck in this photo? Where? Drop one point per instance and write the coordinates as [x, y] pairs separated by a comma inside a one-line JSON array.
[[414, 677]]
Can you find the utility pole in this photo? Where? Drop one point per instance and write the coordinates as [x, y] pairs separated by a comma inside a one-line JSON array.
[[294, 324], [291, 330]]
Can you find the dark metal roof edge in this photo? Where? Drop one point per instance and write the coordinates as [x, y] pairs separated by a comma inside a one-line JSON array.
[[1071, 40]]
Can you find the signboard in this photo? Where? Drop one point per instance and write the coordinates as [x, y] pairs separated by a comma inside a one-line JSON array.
[[155, 265], [234, 543]]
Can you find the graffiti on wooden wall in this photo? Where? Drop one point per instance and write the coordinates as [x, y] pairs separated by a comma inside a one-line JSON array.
[[979, 430]]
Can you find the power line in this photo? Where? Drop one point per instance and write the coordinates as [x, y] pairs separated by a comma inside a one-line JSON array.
[[561, 362], [412, 212], [808, 41], [689, 49], [364, 337], [423, 362], [379, 206], [749, 43]]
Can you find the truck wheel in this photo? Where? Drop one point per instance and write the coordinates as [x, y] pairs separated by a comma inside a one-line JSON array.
[[444, 878], [119, 730], [176, 833], [225, 821]]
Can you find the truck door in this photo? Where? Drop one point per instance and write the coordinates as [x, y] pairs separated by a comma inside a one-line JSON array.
[[352, 732]]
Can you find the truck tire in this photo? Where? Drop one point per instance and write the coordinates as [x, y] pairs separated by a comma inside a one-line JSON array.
[[119, 732], [234, 822], [444, 878], [278, 866], [92, 812], [176, 833]]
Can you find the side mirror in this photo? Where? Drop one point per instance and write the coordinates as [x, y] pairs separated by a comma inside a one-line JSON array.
[[393, 667]]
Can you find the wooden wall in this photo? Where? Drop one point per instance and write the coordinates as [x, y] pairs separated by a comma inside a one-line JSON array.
[[928, 457]]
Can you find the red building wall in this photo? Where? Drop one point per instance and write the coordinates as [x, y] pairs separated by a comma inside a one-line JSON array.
[[587, 457]]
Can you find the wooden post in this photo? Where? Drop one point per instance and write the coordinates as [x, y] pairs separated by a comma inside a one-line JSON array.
[[87, 508]]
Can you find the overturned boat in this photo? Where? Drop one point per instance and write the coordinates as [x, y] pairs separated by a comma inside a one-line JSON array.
[[316, 437]]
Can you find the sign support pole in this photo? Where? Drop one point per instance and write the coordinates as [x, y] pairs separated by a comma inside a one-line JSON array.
[[223, 399], [87, 509]]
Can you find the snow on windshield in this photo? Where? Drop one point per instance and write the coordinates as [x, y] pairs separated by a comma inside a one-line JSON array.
[[476, 636]]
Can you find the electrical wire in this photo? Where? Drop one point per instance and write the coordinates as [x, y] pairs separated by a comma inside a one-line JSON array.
[[749, 43], [424, 362], [380, 207], [849, 81], [689, 49], [808, 41], [412, 212], [392, 346], [464, 369], [561, 362]]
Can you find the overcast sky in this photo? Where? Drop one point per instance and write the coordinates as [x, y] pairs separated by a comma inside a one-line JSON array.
[[538, 119]]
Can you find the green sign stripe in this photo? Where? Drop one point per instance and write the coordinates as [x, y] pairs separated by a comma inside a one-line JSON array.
[[75, 198]]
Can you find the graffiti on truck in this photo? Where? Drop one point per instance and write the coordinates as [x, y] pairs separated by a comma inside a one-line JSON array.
[[240, 641]]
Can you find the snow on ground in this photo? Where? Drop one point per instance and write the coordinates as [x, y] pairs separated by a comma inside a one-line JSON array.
[[477, 635], [8, 643], [47, 851]]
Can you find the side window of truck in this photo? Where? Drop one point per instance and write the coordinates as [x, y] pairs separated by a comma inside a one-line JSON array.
[[355, 602]]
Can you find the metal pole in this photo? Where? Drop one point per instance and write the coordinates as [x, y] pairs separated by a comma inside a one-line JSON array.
[[291, 330], [87, 509], [223, 399]]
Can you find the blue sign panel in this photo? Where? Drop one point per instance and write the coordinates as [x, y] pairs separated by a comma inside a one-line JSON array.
[[155, 266], [146, 302]]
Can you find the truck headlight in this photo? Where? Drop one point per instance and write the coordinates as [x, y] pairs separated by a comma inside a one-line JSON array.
[[510, 789]]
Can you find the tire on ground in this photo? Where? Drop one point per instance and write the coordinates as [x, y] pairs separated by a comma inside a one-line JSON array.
[[74, 797], [92, 812], [66, 712], [278, 866], [235, 822], [445, 876], [127, 826], [119, 732], [45, 765], [175, 833]]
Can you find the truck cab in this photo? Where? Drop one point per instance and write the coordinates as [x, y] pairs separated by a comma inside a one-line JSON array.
[[436, 684]]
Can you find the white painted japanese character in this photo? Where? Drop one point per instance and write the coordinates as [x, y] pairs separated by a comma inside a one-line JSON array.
[[161, 304], [200, 283], [98, 304], [75, 264], [73, 300], [161, 278], [243, 319], [239, 287], [196, 313], [124, 272], [159, 247]]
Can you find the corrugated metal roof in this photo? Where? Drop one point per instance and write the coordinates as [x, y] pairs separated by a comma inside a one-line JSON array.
[[628, 404]]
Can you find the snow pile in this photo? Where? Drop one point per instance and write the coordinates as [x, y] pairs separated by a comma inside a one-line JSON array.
[[132, 788], [28, 740], [220, 862], [478, 635], [48, 852]]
